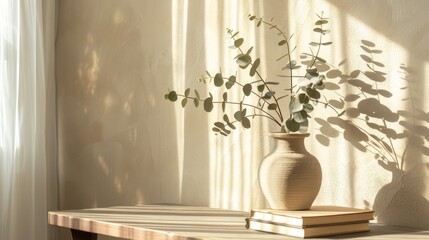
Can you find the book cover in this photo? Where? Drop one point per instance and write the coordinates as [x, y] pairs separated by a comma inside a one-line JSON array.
[[307, 232], [317, 215]]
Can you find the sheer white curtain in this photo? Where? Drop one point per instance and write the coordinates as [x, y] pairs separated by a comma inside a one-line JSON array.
[[27, 119]]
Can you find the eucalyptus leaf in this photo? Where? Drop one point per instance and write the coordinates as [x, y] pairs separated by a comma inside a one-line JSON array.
[[261, 87], [187, 91], [215, 129], [313, 72], [196, 102], [218, 80], [226, 119], [313, 93], [309, 108], [245, 122], [254, 67], [300, 116], [282, 42], [238, 42], [230, 82], [225, 96], [303, 98], [269, 95], [172, 96], [247, 89], [238, 116], [251, 18], [219, 125], [292, 125], [244, 60], [272, 106], [250, 50], [208, 74], [321, 22], [208, 104], [184, 101]]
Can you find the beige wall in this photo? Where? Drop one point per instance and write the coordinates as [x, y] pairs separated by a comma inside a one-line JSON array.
[[122, 143]]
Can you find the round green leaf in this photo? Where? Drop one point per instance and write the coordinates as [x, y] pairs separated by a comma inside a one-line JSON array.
[[238, 116], [292, 125], [215, 129], [309, 108], [261, 87], [208, 104], [282, 42], [247, 89], [238, 42], [254, 67], [226, 119], [244, 60], [218, 80], [320, 22], [187, 91], [196, 102], [172, 96], [272, 106], [184, 101], [313, 93], [303, 98], [232, 78], [219, 125], [300, 116], [245, 122]]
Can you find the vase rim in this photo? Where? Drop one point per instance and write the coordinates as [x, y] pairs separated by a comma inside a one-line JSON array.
[[288, 135]]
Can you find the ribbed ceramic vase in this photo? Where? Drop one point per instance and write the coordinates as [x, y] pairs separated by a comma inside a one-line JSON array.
[[290, 177]]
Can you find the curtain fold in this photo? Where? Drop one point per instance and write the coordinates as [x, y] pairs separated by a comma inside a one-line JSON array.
[[27, 119]]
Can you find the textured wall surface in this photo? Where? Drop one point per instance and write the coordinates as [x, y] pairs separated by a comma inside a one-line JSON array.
[[122, 143]]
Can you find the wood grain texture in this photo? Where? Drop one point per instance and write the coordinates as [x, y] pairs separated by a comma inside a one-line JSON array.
[[187, 222]]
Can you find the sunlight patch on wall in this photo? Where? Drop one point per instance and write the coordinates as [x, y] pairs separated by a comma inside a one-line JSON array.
[[179, 38]]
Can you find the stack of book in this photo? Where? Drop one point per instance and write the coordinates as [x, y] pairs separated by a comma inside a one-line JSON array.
[[316, 222]]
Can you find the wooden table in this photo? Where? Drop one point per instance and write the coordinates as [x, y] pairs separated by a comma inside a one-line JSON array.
[[174, 222]]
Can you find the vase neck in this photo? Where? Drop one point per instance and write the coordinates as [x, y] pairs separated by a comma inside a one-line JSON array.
[[290, 144]]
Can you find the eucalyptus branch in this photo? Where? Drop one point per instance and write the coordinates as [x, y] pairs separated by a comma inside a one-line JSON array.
[[286, 41], [268, 115], [278, 109], [255, 115]]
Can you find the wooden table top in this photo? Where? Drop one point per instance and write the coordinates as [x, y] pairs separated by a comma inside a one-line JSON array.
[[189, 222]]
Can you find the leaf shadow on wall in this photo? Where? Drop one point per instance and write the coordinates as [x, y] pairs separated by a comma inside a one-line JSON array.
[[366, 121]]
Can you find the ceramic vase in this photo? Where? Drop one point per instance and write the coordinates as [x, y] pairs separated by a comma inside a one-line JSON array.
[[290, 177]]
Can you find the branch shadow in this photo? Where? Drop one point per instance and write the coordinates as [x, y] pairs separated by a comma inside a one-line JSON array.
[[371, 126]]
